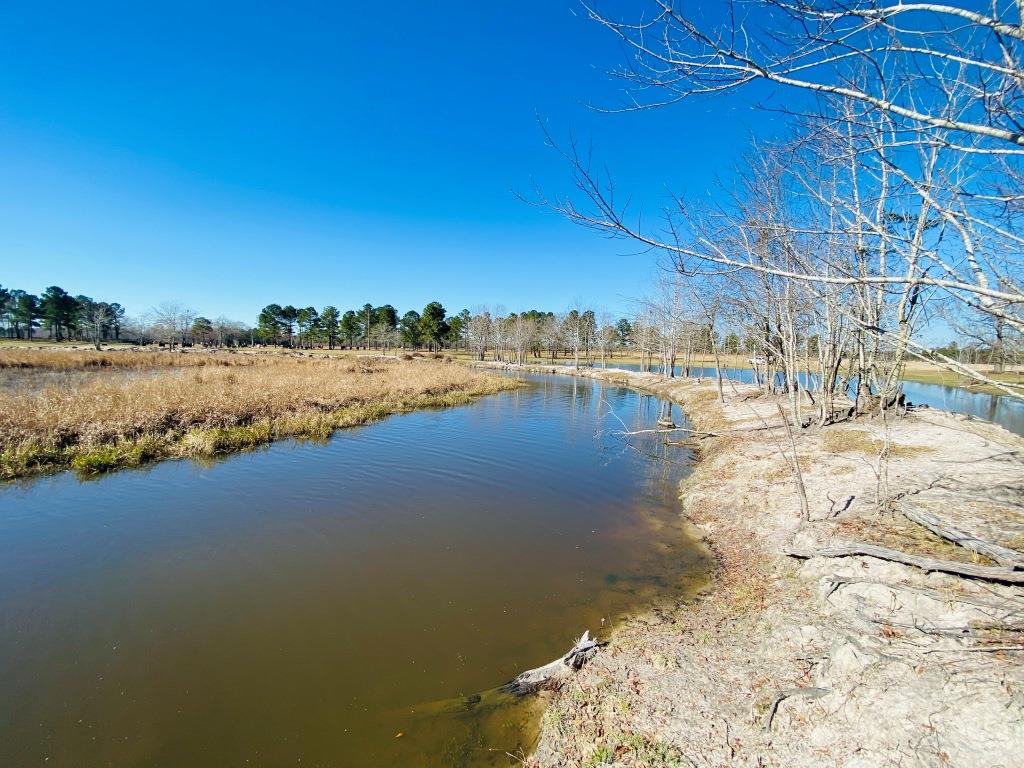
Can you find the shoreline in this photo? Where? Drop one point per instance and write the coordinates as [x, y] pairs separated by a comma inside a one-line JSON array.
[[853, 661]]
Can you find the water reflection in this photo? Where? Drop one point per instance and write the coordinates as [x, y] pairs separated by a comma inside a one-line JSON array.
[[335, 604]]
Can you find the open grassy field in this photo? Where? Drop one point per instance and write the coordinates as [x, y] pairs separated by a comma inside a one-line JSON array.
[[110, 410], [73, 359], [70, 356], [927, 373]]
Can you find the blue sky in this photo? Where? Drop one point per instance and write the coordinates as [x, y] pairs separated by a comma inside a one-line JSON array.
[[229, 155]]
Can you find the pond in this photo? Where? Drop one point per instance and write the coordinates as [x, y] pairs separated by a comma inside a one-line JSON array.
[[1006, 411], [351, 603]]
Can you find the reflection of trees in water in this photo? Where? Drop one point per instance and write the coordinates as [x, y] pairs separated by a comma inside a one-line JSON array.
[[630, 420]]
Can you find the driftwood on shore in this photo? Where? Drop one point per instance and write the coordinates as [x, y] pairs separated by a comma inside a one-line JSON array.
[[1003, 556], [968, 570], [532, 680]]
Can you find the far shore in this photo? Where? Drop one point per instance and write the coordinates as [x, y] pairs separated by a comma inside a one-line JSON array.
[[920, 371], [94, 412]]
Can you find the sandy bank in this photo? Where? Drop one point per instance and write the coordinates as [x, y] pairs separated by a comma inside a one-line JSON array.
[[849, 661]]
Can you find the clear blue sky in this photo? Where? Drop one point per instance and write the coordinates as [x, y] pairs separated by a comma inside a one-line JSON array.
[[229, 155]]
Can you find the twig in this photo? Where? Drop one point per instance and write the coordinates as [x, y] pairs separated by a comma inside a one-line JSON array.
[[798, 478], [812, 693], [832, 511]]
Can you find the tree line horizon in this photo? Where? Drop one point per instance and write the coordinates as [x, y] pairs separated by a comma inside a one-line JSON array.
[[580, 332], [67, 317]]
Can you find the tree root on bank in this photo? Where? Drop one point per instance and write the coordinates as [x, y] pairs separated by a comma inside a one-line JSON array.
[[1005, 557], [967, 570]]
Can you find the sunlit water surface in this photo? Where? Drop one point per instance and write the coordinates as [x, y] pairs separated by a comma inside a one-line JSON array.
[[338, 604]]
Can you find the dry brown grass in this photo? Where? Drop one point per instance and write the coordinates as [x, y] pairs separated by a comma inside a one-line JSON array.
[[893, 531], [703, 409], [109, 420], [784, 471], [838, 440], [67, 360]]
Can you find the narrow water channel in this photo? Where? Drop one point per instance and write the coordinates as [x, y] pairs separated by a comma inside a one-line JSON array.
[[1003, 410], [337, 604]]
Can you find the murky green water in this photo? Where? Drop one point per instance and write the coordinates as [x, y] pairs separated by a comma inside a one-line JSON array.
[[306, 604]]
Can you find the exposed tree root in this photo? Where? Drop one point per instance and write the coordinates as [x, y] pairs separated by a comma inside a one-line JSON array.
[[1003, 556], [967, 570]]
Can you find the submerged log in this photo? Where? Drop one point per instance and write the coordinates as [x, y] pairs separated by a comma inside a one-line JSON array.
[[533, 680]]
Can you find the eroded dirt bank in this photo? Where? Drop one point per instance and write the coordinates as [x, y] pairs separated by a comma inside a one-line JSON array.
[[849, 661]]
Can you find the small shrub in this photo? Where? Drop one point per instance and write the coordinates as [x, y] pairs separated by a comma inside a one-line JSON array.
[[602, 755]]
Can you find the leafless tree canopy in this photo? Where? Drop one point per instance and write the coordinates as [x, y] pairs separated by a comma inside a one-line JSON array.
[[896, 197]]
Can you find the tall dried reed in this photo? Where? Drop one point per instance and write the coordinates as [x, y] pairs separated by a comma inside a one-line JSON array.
[[112, 420], [78, 360]]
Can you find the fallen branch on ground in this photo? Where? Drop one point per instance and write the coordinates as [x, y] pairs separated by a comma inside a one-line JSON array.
[[1010, 606], [1003, 556], [832, 511], [967, 570], [719, 433], [978, 649]]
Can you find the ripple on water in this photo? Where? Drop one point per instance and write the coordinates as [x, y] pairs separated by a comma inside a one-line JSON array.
[[313, 600]]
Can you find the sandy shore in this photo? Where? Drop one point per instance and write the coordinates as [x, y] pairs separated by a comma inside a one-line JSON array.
[[801, 661]]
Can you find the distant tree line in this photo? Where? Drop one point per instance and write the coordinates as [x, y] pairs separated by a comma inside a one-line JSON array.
[[61, 315], [673, 329], [509, 336], [366, 327]]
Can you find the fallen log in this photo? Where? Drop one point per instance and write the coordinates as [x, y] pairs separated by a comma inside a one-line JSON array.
[[532, 680], [967, 570], [1002, 555]]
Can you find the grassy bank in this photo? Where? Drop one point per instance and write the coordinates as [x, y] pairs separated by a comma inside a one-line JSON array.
[[132, 409], [930, 374], [78, 360]]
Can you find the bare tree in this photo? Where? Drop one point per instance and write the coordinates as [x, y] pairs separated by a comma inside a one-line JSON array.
[[95, 320], [901, 185], [172, 322], [479, 332], [574, 331]]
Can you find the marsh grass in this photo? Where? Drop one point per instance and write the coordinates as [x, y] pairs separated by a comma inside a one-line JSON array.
[[70, 360], [107, 421]]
